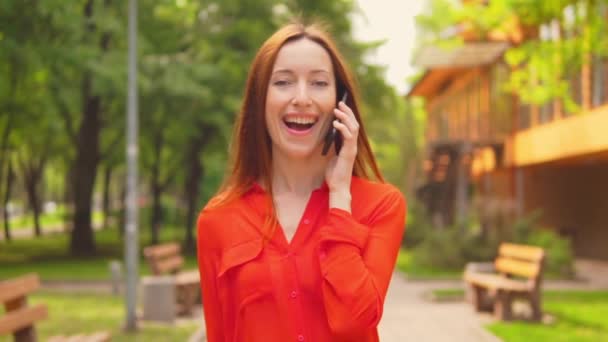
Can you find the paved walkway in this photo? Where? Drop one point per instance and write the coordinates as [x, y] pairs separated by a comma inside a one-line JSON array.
[[408, 316]]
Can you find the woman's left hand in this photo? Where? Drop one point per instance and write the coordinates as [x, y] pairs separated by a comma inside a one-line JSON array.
[[340, 168]]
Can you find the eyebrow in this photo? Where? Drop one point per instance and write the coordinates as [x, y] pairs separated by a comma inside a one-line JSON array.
[[289, 71]]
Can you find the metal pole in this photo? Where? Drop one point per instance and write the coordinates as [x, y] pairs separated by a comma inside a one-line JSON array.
[[131, 231]]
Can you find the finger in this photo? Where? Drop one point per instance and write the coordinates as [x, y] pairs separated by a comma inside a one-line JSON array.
[[346, 109], [346, 133], [348, 120]]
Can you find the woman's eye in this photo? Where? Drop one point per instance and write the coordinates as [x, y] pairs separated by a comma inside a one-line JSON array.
[[320, 83], [281, 83]]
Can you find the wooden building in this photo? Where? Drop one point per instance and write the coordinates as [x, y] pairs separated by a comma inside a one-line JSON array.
[[484, 143]]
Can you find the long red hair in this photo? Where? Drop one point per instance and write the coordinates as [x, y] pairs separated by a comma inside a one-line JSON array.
[[251, 153]]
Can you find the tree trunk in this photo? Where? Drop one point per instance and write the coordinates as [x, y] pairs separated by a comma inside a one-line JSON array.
[[156, 213], [85, 169], [193, 178], [32, 178], [156, 188], [4, 149], [7, 196], [87, 152], [68, 198], [107, 178]]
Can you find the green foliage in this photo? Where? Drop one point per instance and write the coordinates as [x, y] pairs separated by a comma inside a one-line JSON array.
[[451, 247], [48, 256], [193, 59], [579, 316], [542, 68], [418, 224], [73, 314]]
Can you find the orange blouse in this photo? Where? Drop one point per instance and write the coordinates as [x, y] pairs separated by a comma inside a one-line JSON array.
[[327, 284]]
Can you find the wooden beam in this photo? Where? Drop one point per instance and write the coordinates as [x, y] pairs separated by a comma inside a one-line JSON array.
[[525, 252], [18, 287], [22, 318], [161, 251]]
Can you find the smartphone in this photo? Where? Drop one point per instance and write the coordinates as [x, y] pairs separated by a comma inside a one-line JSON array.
[[332, 133]]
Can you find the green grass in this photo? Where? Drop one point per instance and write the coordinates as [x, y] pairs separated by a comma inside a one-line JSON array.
[[86, 313], [580, 317], [448, 294], [57, 218], [49, 256], [413, 271]]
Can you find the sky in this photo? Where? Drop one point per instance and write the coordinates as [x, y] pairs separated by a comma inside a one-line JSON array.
[[392, 20]]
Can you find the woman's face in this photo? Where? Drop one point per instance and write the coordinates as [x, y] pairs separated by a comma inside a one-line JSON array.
[[300, 99]]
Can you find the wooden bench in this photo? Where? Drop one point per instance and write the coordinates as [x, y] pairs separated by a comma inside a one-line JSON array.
[[19, 317], [519, 275], [167, 259]]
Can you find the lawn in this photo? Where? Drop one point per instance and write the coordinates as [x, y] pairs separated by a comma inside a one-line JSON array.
[[579, 317], [413, 271], [49, 257], [86, 313], [442, 295], [54, 219]]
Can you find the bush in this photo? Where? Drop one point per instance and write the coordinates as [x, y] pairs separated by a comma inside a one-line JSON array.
[[418, 225], [559, 258], [451, 247]]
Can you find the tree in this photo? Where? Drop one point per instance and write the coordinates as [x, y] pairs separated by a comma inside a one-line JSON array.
[[564, 36]]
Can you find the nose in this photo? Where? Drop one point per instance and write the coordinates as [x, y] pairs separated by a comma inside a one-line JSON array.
[[301, 97]]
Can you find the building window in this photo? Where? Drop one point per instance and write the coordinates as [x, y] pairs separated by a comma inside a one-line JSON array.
[[599, 81], [524, 116]]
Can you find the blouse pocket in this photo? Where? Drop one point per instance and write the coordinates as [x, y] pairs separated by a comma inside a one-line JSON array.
[[244, 271], [242, 280], [239, 255]]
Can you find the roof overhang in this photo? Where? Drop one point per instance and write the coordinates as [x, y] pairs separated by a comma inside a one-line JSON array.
[[470, 54], [443, 62]]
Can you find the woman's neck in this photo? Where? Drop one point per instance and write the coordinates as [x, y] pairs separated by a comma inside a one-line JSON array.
[[298, 176]]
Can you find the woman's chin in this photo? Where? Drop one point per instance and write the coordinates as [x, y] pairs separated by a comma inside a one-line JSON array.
[[299, 151]]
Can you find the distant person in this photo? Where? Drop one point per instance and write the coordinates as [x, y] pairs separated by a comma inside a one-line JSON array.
[[299, 245]]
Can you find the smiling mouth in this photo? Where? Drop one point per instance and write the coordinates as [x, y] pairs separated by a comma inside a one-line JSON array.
[[300, 125]]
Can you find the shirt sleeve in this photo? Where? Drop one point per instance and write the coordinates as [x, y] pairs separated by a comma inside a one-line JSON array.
[[357, 263], [207, 264]]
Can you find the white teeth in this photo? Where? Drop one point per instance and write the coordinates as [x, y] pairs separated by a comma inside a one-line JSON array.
[[300, 120]]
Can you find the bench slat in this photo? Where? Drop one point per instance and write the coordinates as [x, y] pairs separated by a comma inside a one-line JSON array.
[[495, 282], [188, 277], [516, 267], [162, 251], [18, 287], [524, 252], [22, 318], [102, 336], [169, 265]]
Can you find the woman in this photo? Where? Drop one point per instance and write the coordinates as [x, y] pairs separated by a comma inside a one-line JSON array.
[[297, 245]]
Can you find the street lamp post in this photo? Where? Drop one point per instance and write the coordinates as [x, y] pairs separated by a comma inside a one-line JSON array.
[[131, 235]]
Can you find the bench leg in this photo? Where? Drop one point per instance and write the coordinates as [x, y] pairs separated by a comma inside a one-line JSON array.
[[477, 298], [502, 306], [26, 335], [187, 297], [535, 303]]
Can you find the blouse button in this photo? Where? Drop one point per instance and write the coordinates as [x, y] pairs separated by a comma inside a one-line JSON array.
[[300, 338], [306, 221], [293, 294], [322, 255]]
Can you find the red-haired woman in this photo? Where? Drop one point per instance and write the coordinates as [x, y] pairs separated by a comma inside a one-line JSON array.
[[298, 245]]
